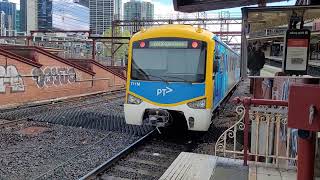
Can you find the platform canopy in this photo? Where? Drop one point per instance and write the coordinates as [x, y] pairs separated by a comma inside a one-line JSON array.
[[259, 19], [206, 5]]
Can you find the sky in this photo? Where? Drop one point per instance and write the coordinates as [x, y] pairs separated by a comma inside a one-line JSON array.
[[165, 7]]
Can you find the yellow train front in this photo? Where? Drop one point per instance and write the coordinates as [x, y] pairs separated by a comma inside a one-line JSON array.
[[178, 71]]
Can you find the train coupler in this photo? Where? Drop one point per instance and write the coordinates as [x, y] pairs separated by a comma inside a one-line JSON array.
[[157, 117]]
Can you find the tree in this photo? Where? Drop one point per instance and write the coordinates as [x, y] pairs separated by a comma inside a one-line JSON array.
[[123, 50]]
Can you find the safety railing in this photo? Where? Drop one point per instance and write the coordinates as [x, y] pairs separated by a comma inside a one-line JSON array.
[[260, 135]]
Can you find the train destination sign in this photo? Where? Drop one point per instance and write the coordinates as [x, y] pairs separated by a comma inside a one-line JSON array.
[[297, 51], [168, 44]]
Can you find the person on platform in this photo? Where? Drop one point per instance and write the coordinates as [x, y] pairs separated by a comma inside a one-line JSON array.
[[256, 59]]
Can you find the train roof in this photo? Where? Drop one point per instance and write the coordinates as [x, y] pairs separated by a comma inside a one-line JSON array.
[[217, 38], [173, 30], [178, 30]]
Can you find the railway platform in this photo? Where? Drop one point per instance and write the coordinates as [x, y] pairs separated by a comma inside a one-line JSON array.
[[203, 166], [274, 65]]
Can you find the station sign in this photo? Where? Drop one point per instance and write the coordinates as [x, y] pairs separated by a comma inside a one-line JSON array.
[[297, 47]]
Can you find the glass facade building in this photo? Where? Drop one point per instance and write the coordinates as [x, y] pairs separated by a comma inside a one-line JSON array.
[[53, 15], [28, 15], [69, 15], [45, 14], [62, 15], [18, 29], [137, 10], [9, 10], [102, 13]]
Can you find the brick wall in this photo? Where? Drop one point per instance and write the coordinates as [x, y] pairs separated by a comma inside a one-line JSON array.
[[47, 77], [113, 82]]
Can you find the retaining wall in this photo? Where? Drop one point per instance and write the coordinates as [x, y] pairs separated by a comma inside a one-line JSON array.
[[41, 75]]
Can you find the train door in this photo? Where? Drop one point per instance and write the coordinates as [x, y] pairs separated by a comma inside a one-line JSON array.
[[225, 71], [218, 74]]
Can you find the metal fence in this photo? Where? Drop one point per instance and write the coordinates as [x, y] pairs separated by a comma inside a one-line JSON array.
[[260, 135]]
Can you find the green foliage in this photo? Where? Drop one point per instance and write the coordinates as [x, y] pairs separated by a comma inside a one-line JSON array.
[[123, 50]]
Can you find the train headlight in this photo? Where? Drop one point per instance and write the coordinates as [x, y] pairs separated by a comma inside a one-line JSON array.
[[133, 100], [198, 104]]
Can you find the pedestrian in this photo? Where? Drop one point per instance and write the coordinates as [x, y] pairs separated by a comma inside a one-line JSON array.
[[256, 59]]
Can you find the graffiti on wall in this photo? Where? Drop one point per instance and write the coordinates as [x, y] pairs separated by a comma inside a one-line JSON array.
[[53, 76], [10, 76]]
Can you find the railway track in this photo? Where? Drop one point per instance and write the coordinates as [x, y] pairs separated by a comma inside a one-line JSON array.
[[18, 115], [147, 158]]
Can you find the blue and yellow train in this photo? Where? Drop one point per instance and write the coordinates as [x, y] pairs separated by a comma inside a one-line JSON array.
[[178, 69]]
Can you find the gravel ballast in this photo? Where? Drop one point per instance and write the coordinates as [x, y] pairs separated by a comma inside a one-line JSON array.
[[36, 150]]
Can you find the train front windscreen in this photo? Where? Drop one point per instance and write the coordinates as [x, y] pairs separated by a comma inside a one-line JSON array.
[[170, 60]]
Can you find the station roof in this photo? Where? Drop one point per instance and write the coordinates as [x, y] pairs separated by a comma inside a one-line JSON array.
[[261, 18], [206, 5]]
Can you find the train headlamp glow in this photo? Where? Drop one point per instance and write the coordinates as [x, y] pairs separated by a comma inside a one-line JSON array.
[[198, 104], [133, 100]]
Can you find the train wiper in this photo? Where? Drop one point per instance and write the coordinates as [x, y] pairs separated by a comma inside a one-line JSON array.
[[157, 77], [184, 80]]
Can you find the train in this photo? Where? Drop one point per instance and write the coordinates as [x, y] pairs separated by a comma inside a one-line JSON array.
[[178, 72]]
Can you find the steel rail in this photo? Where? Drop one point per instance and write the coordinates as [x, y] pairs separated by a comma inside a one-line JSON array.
[[56, 102], [6, 124], [109, 163]]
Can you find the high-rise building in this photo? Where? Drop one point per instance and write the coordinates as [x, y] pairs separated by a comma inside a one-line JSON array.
[[2, 24], [53, 15], [102, 13], [45, 14], [28, 15], [82, 2], [9, 9], [117, 9], [69, 16], [138, 10], [18, 21]]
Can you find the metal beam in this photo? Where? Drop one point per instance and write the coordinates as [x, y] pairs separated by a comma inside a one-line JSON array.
[[109, 38], [60, 31], [117, 49], [228, 33]]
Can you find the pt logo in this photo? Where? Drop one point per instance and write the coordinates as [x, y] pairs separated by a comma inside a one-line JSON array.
[[164, 92]]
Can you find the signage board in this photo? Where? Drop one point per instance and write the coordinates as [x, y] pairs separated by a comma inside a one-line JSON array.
[[297, 47]]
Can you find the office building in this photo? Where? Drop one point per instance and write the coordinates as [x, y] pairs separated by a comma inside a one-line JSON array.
[[18, 21], [9, 10], [53, 15], [102, 13], [137, 10], [82, 2], [28, 15], [2, 24], [45, 14], [69, 16]]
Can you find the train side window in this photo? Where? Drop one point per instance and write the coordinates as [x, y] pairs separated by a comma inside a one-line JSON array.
[[216, 62], [227, 64], [216, 58], [232, 63]]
